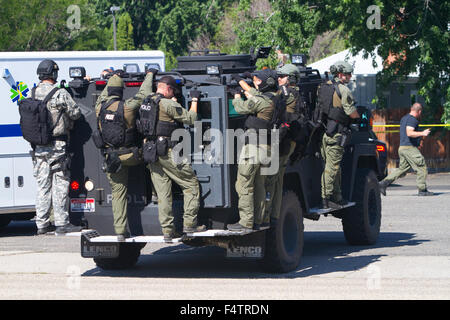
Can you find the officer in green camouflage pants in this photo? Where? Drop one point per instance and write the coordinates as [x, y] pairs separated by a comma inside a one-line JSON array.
[[119, 180], [250, 183], [287, 79], [167, 168], [331, 150]]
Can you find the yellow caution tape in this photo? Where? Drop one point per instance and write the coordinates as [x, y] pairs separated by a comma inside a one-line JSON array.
[[420, 125]]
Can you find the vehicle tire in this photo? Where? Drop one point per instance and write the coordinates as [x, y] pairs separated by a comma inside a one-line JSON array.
[[284, 241], [128, 256], [4, 221], [361, 223]]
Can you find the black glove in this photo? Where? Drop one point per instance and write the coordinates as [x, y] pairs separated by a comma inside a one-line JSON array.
[[154, 71], [236, 77], [236, 90], [195, 94], [247, 75]]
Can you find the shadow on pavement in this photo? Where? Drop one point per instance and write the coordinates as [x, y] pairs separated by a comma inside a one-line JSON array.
[[324, 252]]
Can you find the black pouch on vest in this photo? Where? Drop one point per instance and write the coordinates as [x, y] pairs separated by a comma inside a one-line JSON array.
[[112, 163], [162, 146], [149, 152], [332, 128], [98, 140]]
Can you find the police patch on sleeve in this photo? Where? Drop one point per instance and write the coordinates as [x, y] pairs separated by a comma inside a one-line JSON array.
[[179, 110]]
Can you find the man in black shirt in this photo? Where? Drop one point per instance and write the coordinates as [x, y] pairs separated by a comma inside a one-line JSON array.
[[410, 156]]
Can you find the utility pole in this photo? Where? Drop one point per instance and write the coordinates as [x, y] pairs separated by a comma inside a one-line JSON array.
[[113, 9]]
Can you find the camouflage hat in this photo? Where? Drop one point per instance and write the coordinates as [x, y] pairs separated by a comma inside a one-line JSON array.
[[289, 70], [115, 81], [341, 67]]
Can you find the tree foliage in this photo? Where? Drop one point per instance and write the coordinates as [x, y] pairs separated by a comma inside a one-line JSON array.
[[413, 35], [36, 25]]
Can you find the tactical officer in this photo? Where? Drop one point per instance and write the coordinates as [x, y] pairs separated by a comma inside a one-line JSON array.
[[116, 121], [288, 76], [337, 133], [250, 184], [168, 116], [410, 156], [51, 161]]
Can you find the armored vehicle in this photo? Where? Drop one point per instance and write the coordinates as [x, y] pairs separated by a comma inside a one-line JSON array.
[[279, 248]]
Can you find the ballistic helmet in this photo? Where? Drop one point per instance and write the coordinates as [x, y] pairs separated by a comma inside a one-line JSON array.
[[268, 78], [341, 67], [289, 70], [47, 69]]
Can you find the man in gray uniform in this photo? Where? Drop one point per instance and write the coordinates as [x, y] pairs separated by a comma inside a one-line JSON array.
[[50, 161]]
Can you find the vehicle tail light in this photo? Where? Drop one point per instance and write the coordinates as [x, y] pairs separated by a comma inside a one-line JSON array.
[[133, 84], [75, 185], [381, 148], [100, 83]]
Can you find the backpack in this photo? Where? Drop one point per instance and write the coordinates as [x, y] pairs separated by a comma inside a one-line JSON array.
[[113, 126], [324, 104], [36, 119], [148, 115]]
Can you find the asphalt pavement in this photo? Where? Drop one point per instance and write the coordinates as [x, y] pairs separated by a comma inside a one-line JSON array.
[[411, 260]]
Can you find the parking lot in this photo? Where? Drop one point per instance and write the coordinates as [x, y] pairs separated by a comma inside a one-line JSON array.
[[411, 260]]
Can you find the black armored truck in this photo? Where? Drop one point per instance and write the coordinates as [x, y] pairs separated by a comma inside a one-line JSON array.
[[279, 247]]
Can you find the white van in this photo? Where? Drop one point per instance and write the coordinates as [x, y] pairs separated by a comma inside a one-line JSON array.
[[18, 72]]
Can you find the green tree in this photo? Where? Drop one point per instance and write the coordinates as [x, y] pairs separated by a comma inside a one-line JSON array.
[[413, 35], [45, 25], [124, 34]]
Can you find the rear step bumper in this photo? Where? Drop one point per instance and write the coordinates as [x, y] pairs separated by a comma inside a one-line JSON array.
[[316, 212], [94, 245]]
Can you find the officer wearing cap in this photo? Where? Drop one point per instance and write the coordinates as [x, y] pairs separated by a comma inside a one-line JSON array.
[[50, 162], [288, 76], [250, 184], [120, 157], [166, 168], [337, 134]]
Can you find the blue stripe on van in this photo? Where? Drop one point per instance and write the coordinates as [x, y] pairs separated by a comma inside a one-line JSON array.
[[10, 130]]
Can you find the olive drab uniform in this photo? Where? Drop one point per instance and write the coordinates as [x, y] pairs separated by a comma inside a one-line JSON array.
[[50, 161], [129, 153], [166, 169], [250, 184], [331, 150], [274, 183]]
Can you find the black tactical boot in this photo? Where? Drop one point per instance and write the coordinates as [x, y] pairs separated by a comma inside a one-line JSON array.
[[49, 228], [328, 204], [68, 228], [425, 193]]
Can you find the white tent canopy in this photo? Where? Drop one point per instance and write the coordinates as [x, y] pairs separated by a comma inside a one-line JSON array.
[[361, 65]]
